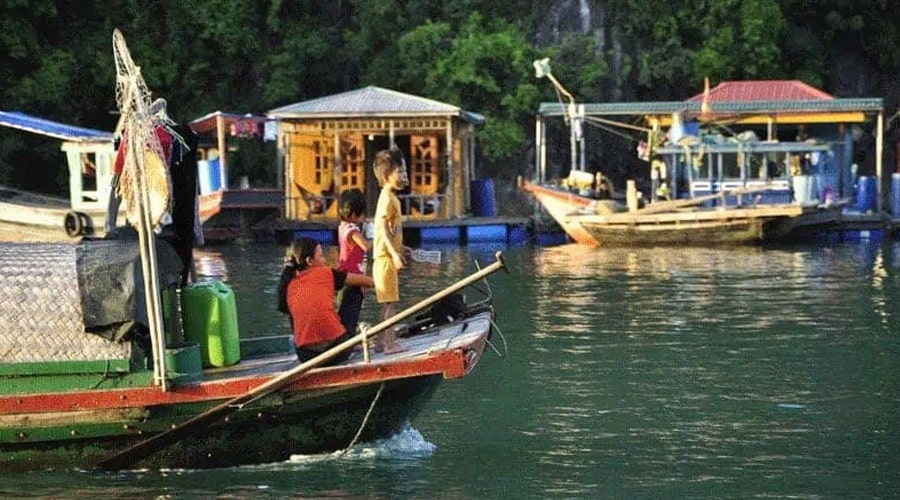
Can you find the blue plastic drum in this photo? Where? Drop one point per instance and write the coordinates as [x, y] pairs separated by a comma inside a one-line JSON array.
[[866, 194], [895, 195], [483, 198]]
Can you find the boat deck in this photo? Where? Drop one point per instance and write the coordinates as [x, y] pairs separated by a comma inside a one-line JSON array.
[[433, 340]]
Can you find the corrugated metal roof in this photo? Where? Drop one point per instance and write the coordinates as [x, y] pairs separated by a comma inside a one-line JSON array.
[[369, 102], [868, 105], [21, 121], [763, 90], [746, 147]]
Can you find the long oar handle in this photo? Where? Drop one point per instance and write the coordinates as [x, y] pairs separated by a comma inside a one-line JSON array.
[[149, 446]]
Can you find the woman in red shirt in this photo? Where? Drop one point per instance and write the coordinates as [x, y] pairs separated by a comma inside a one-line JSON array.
[[307, 292]]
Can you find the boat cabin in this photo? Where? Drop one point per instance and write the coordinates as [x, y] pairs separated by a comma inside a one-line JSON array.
[[213, 130], [327, 145], [90, 155]]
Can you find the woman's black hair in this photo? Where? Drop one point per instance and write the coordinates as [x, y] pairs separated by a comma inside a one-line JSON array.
[[351, 202], [301, 249]]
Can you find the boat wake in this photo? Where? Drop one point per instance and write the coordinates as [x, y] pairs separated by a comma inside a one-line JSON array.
[[408, 443]]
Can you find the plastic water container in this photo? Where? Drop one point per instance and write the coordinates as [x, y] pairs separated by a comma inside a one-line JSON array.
[[210, 320], [866, 194], [895, 195], [209, 175], [483, 198], [804, 189]]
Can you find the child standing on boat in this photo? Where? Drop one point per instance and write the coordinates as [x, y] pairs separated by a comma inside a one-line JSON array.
[[388, 250], [307, 291], [353, 248]]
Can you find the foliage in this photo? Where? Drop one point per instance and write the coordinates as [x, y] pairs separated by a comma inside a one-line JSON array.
[[254, 55]]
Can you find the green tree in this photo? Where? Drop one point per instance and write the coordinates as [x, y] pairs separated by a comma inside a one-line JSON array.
[[484, 68]]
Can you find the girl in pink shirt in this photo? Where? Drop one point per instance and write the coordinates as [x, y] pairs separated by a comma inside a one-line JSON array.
[[353, 248]]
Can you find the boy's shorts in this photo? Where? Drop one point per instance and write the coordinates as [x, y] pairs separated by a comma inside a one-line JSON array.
[[386, 283]]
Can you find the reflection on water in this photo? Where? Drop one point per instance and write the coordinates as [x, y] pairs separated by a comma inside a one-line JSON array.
[[209, 265]]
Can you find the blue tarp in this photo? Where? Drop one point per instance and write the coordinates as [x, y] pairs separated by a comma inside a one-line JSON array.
[[49, 128]]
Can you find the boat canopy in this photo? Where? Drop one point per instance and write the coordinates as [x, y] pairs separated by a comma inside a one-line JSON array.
[[41, 126], [238, 122]]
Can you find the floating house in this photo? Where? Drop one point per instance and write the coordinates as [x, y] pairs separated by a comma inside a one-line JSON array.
[[327, 145], [743, 133], [779, 155]]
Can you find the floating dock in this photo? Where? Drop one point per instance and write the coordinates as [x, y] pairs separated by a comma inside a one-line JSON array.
[[511, 231]]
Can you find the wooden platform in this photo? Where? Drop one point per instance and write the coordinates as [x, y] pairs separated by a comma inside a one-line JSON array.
[[512, 231]]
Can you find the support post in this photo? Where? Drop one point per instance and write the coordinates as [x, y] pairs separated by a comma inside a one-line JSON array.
[[879, 164], [220, 143], [451, 171], [538, 166], [581, 141]]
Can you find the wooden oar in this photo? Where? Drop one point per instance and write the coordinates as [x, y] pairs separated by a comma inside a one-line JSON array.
[[666, 206], [159, 441]]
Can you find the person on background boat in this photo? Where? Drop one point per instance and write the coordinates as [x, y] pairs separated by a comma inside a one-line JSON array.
[[388, 250], [353, 248], [306, 292]]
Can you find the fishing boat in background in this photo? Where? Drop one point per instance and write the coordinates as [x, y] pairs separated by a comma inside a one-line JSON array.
[[708, 220], [225, 214], [742, 163]]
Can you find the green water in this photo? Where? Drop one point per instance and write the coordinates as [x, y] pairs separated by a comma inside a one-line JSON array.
[[671, 373]]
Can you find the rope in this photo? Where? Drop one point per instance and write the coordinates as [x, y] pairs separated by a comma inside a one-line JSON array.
[[365, 420], [505, 353]]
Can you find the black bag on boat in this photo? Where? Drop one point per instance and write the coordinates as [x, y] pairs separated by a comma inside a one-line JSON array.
[[446, 310]]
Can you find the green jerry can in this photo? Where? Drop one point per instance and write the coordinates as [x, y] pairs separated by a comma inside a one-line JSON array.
[[210, 320]]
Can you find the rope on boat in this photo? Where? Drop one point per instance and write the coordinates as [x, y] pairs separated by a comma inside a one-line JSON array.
[[503, 338], [365, 420]]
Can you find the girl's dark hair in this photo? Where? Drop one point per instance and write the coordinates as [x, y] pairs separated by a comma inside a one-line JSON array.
[[301, 249], [352, 202]]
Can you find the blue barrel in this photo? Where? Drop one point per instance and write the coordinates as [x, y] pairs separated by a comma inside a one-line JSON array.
[[866, 194], [895, 195], [209, 174], [483, 198]]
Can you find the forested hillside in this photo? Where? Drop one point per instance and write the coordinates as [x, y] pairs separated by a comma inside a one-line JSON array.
[[252, 56]]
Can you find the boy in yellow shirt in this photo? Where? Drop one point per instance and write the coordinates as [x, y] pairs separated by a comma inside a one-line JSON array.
[[388, 251]]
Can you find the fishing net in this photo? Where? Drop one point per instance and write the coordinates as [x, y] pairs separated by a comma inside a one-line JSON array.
[[145, 172]]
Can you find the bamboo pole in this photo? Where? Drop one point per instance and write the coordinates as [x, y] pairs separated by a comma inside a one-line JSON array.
[[157, 442]]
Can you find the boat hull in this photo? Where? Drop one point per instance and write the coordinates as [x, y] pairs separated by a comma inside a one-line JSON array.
[[697, 226], [289, 423], [743, 231], [321, 411]]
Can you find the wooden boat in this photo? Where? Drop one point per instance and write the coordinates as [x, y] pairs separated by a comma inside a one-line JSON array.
[[681, 222], [224, 215], [99, 399], [31, 217]]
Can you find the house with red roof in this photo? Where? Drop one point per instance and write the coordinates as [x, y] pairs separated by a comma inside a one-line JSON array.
[[784, 136]]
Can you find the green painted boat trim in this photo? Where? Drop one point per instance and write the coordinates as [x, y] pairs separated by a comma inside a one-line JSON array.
[[266, 346], [66, 367], [76, 382]]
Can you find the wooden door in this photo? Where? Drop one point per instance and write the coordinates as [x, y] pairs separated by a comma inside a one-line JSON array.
[[311, 167], [353, 163]]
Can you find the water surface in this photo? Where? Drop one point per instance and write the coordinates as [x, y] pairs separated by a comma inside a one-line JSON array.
[[661, 373]]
